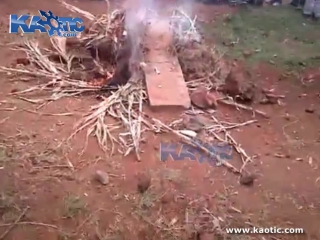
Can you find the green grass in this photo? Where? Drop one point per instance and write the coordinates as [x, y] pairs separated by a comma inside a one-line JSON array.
[[278, 35]]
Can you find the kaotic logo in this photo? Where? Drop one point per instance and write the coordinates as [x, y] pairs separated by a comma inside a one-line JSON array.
[[180, 151], [47, 23]]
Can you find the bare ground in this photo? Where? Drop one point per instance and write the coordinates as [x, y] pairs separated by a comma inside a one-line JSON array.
[[64, 203]]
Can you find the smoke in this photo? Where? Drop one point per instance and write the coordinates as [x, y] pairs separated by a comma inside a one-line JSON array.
[[144, 11], [135, 24]]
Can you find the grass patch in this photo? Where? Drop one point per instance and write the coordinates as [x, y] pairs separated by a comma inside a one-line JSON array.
[[278, 35], [73, 206], [9, 211]]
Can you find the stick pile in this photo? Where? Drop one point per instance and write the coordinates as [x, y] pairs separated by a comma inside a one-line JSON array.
[[62, 72]]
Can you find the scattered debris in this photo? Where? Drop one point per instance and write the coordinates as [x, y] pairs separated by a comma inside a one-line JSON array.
[[193, 123], [279, 155], [241, 106], [271, 98], [200, 65], [102, 177], [194, 143], [188, 133], [3, 236]]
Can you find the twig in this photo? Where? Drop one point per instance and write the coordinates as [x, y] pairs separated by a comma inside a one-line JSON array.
[[14, 224], [50, 114], [78, 10], [30, 223], [244, 156], [86, 220], [238, 105], [8, 109], [4, 120]]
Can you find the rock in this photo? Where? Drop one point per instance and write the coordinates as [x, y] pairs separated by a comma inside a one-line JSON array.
[[287, 117], [247, 53], [144, 182], [247, 180], [102, 177], [198, 98], [201, 98], [23, 61], [310, 109], [238, 85], [227, 18]]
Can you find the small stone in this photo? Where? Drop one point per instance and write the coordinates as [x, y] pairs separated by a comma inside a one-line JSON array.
[[310, 110], [144, 182], [227, 18], [247, 53], [247, 180], [287, 117], [102, 177], [23, 61]]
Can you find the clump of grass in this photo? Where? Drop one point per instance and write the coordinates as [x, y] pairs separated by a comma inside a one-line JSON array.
[[278, 35], [6, 202], [4, 156], [8, 208], [73, 206]]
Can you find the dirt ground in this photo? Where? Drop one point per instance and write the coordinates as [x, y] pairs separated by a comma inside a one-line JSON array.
[[65, 203]]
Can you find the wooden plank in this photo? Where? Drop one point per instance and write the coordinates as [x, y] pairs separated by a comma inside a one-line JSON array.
[[164, 78]]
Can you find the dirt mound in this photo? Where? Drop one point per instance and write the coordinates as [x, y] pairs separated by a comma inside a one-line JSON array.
[[197, 61]]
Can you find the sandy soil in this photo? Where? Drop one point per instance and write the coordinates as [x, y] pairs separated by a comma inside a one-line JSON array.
[[65, 203]]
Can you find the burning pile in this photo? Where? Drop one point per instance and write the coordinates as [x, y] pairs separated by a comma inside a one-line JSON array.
[[111, 54], [92, 62]]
